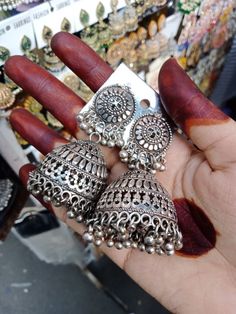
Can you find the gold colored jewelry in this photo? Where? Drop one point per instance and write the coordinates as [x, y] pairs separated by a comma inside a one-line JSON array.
[[32, 104], [131, 57], [116, 21], [4, 54], [152, 45], [142, 52], [130, 16], [104, 32], [26, 48], [50, 61], [66, 25], [85, 92], [53, 121], [89, 34], [73, 82], [7, 98], [114, 54]]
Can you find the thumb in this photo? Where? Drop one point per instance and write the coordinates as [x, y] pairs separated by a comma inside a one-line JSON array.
[[208, 127]]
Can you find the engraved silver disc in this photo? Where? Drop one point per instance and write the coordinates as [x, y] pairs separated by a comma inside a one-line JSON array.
[[115, 104], [152, 133]]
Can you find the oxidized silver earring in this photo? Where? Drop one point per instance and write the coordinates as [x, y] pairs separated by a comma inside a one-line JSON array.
[[72, 175], [135, 210]]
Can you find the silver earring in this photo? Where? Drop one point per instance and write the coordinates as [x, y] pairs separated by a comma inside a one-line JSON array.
[[72, 175], [135, 210]]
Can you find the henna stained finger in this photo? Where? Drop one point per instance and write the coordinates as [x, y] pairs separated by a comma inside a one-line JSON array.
[[49, 91], [35, 131], [81, 59]]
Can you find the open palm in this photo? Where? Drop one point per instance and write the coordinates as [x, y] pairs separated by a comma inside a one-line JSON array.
[[200, 177]]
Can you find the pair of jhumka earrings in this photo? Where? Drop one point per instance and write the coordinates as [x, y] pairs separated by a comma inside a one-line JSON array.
[[135, 210]]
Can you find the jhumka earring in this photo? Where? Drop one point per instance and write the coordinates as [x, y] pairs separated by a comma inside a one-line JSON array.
[[89, 34], [50, 61], [134, 210], [26, 48], [131, 17], [116, 21]]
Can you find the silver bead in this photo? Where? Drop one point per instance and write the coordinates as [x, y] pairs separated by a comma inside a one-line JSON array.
[[79, 218], [98, 234], [179, 245], [83, 126], [111, 143], [170, 253], [149, 240], [80, 117], [97, 242], [156, 165], [159, 240], [127, 244], [141, 247], [162, 168], [118, 245], [120, 143], [110, 243], [169, 247], [103, 141], [88, 237], [160, 252], [47, 199], [123, 154], [89, 131], [71, 214], [150, 249]]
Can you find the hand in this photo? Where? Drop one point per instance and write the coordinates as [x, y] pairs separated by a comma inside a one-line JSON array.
[[200, 177]]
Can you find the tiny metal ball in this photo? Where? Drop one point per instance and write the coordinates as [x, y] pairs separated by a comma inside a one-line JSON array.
[[83, 126], [98, 242], [178, 245], [89, 131], [153, 171], [150, 249], [118, 245], [162, 168], [131, 166], [124, 159], [111, 143], [70, 214], [141, 247], [79, 218], [98, 234], [35, 192], [134, 245], [159, 240], [47, 199], [149, 240], [169, 247], [160, 252], [122, 230], [123, 154], [169, 253], [120, 143], [127, 244], [88, 237], [110, 243], [156, 165], [103, 141], [80, 117]]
